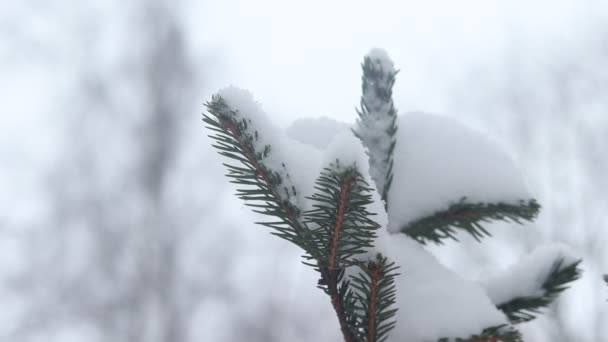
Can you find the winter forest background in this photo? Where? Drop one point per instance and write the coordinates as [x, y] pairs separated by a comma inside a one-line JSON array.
[[117, 224]]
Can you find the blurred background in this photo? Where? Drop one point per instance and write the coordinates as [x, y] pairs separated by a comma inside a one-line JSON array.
[[117, 224]]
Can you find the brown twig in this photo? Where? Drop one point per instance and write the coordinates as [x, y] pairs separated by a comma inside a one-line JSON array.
[[332, 283], [376, 274], [260, 172]]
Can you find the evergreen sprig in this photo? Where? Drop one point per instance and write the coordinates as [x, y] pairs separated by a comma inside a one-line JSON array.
[[341, 230], [377, 123], [339, 221], [375, 295], [523, 309], [337, 228], [260, 186], [468, 217]]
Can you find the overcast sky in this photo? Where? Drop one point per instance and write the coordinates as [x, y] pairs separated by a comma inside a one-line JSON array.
[[302, 58]]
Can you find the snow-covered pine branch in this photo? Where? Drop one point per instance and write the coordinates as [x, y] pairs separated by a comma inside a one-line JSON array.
[[336, 229], [525, 288], [445, 177], [242, 135], [376, 126], [449, 177]]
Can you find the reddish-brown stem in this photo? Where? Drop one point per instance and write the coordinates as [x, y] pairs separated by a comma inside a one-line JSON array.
[[336, 302], [230, 126], [375, 275], [346, 184], [332, 283]]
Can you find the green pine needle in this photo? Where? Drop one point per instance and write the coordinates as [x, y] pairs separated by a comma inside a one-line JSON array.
[[468, 217], [523, 309], [375, 296], [339, 221]]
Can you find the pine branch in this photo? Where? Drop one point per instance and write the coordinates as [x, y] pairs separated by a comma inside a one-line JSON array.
[[502, 333], [263, 188], [523, 309], [339, 221], [375, 296], [340, 230], [468, 217], [332, 282], [376, 126]]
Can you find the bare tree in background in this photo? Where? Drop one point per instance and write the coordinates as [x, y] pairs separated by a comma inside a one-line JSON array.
[[110, 263], [133, 249]]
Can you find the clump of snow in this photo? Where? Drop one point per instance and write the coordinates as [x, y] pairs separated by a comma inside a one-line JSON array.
[[525, 278], [305, 164], [317, 132], [347, 149], [433, 301], [438, 161], [246, 107], [380, 57]]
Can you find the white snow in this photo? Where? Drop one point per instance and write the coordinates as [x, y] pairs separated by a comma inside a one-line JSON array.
[[347, 149], [374, 132], [317, 132], [242, 101], [525, 277], [380, 57], [433, 301], [288, 157], [438, 161]]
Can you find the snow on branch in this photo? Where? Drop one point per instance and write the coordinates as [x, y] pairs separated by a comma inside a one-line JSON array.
[[263, 182], [522, 290], [433, 301], [376, 126], [449, 177]]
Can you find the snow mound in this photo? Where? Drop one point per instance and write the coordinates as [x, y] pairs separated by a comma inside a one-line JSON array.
[[317, 132], [433, 301], [438, 161], [525, 278], [347, 149], [380, 57]]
